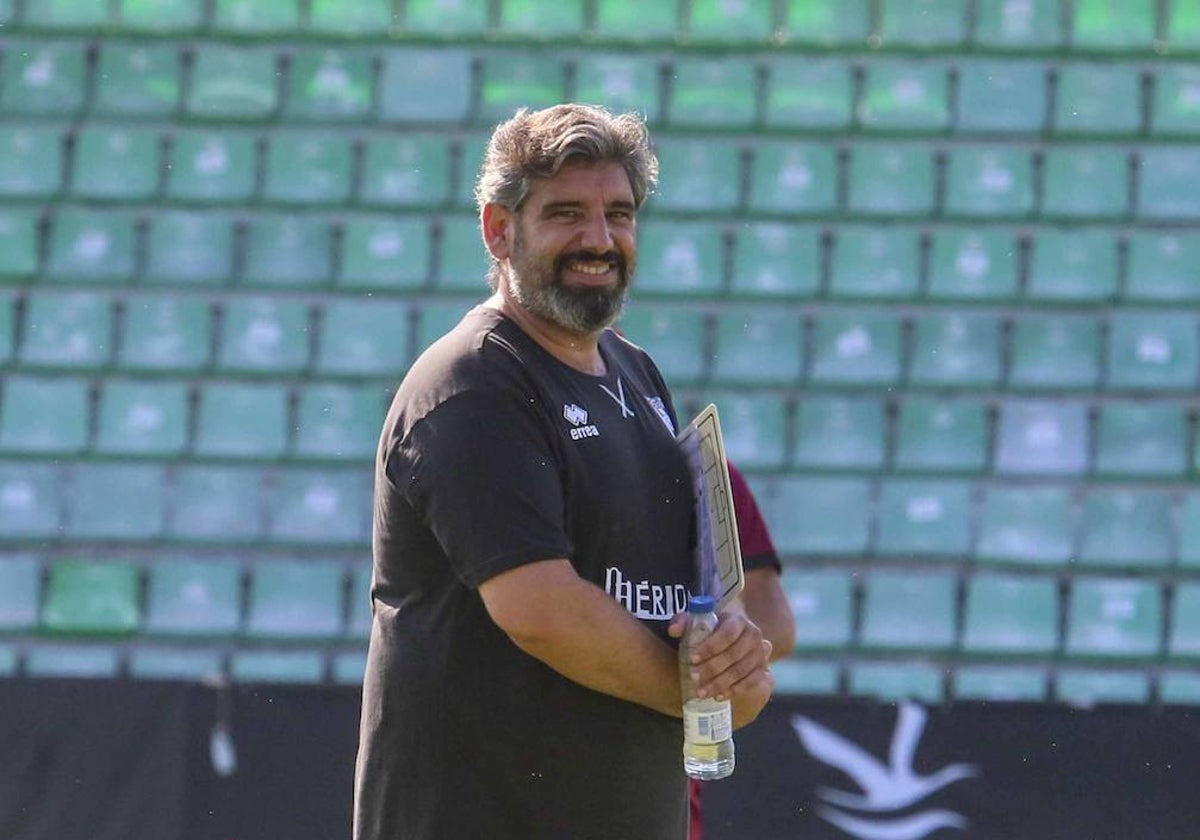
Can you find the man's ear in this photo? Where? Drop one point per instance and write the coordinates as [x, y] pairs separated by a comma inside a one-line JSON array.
[[497, 223]]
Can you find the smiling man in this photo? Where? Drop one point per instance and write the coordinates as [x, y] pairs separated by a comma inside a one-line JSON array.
[[533, 532]]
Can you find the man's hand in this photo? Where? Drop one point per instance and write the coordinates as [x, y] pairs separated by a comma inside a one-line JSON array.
[[732, 664]]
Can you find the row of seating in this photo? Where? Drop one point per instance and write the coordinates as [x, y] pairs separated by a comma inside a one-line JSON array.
[[1083, 25]]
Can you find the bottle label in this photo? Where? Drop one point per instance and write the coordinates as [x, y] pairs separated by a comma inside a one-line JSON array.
[[710, 723]]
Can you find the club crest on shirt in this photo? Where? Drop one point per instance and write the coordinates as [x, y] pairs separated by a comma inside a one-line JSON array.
[[660, 409], [578, 418]]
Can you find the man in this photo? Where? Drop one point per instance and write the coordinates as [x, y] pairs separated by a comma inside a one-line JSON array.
[[533, 528]]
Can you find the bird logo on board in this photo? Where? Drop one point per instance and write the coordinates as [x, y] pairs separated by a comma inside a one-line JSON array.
[[578, 418]]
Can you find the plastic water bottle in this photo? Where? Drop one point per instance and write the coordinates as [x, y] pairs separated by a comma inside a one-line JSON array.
[[707, 723]]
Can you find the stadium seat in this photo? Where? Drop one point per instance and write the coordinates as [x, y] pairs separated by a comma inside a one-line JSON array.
[[116, 164], [892, 179], [44, 78], [1000, 683], [358, 621], [264, 335], [91, 246], [31, 502], [240, 420], [1001, 96], [698, 175], [924, 24], [1140, 440], [115, 502], [1031, 525], [1098, 98], [531, 19], [73, 661], [838, 432], [1163, 267], [279, 667], [463, 263], [320, 507], [941, 435], [621, 82], [822, 603], [31, 161], [1189, 531], [722, 21], [793, 178], [828, 22], [680, 258], [904, 95], [1010, 614], [1107, 25], [339, 422], [753, 425], [288, 250], [956, 349], [20, 592], [1153, 350], [138, 417], [165, 333], [989, 181], [19, 255], [616, 20], [856, 348], [138, 80], [1081, 182], [406, 170], [1126, 527], [818, 516], [757, 347], [875, 262], [436, 318], [511, 80], [924, 518], [91, 598], [212, 166], [802, 677], [1078, 265], [425, 84], [44, 416], [892, 682], [1113, 617], [189, 248], [65, 14], [908, 611], [348, 667], [709, 93], [256, 17], [364, 338], [216, 504], [453, 18], [1055, 352], [1167, 184], [8, 328], [233, 83], [161, 16], [1184, 639], [308, 168], [295, 599], [1042, 437], [351, 17], [674, 336], [1179, 688], [1087, 687], [1174, 110], [185, 664], [972, 265], [1016, 24], [773, 260], [70, 330], [1181, 26], [470, 149], [808, 93]]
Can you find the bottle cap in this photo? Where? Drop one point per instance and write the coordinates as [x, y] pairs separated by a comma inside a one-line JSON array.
[[701, 604]]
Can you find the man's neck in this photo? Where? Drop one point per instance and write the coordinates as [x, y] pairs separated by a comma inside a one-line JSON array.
[[581, 352]]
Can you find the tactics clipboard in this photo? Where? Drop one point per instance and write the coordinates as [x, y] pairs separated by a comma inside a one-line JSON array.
[[718, 554]]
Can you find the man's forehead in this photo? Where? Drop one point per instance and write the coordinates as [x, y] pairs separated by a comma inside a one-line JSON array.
[[579, 181]]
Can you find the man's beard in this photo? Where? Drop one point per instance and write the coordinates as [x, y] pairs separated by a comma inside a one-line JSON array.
[[539, 287]]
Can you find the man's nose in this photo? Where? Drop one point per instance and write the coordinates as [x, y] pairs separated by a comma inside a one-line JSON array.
[[596, 234]]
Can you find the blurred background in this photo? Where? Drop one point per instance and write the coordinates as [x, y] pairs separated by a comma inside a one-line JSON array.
[[936, 262]]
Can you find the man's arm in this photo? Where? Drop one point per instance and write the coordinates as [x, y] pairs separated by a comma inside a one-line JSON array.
[[767, 606]]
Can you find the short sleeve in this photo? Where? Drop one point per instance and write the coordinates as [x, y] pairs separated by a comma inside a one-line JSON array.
[[758, 551]]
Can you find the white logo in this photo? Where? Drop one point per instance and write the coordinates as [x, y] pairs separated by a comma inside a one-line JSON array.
[[619, 398], [578, 418], [885, 788], [660, 409]]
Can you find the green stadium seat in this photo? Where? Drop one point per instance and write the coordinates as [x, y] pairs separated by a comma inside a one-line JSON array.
[[841, 433], [138, 80], [776, 260], [233, 83], [8, 14], [1098, 98], [1113, 617], [66, 14], [288, 250], [926, 24], [470, 150], [723, 22], [621, 82], [212, 166], [521, 79], [91, 598], [348, 667], [189, 248], [1174, 110], [921, 517], [425, 84], [819, 516], [793, 177], [385, 253], [116, 501], [446, 18], [673, 335], [277, 667], [1184, 638], [364, 338], [1189, 531], [680, 258], [31, 503], [264, 335], [18, 244], [1141, 440], [1168, 181], [941, 435], [1085, 182], [902, 95], [1018, 24], [462, 262], [91, 246], [44, 78], [8, 327], [1108, 25], [31, 161], [330, 84], [67, 330], [1179, 688], [339, 422], [989, 181], [116, 164], [1153, 350], [412, 169], [892, 682], [1181, 23], [216, 504], [44, 416], [237, 420], [358, 620], [351, 17], [713, 93], [1042, 437], [1077, 266], [1087, 688], [1164, 266], [137, 417], [808, 93], [20, 590], [79, 661], [801, 677], [753, 425], [1000, 683], [308, 168], [1030, 525], [908, 611], [617, 20], [531, 19], [896, 179], [1126, 527], [321, 507], [972, 265], [295, 599], [161, 16], [828, 22], [698, 175], [856, 348], [956, 349], [758, 347], [165, 333], [256, 17], [1010, 614], [822, 603], [436, 318], [875, 262], [176, 664], [1055, 352], [1001, 96]]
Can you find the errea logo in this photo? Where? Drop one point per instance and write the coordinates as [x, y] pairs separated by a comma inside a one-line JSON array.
[[578, 418]]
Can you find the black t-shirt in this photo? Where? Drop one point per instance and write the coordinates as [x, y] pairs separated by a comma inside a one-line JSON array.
[[495, 454]]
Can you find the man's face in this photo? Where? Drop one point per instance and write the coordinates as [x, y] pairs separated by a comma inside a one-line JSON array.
[[574, 247]]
